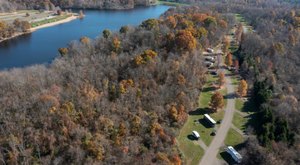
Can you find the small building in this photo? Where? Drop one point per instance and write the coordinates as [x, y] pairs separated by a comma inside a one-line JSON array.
[[234, 154], [210, 120]]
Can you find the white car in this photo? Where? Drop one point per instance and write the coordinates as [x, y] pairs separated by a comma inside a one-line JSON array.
[[196, 134], [209, 58], [209, 50]]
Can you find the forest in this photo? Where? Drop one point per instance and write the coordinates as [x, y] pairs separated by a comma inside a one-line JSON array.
[[118, 99], [269, 62]]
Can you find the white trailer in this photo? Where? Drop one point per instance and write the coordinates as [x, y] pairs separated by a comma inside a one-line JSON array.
[[234, 154], [210, 120]]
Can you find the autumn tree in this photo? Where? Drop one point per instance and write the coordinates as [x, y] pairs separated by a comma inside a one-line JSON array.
[[85, 40], [124, 29], [185, 40], [228, 60], [171, 22], [242, 88], [25, 26], [63, 51], [173, 113], [106, 33], [217, 101], [221, 80], [150, 24], [201, 32], [116, 44], [226, 44], [210, 21]]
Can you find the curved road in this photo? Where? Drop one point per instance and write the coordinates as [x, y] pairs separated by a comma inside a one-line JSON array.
[[210, 156]]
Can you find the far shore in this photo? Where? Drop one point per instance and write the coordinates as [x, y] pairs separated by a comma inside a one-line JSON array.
[[71, 18]]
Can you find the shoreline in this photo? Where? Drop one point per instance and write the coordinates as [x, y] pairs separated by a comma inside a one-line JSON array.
[[69, 19]]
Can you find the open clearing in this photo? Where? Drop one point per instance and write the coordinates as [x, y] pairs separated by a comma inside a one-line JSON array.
[[35, 17]]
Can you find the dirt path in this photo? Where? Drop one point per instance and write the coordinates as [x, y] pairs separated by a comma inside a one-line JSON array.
[[210, 156]]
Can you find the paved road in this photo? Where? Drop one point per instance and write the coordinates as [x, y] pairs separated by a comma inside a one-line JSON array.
[[210, 156]]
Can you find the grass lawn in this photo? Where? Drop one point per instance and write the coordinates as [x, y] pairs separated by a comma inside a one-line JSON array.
[[172, 3], [58, 18], [192, 152], [239, 104], [239, 121], [233, 138]]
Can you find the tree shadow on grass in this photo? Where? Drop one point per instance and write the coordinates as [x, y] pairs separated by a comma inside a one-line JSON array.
[[208, 89], [200, 111], [249, 106], [230, 95]]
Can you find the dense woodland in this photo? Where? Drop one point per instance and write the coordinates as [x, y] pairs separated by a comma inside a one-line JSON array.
[[119, 99], [123, 97]]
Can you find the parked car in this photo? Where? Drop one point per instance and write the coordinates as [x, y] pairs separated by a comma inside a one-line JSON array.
[[214, 73], [196, 134], [209, 50], [209, 58], [208, 64]]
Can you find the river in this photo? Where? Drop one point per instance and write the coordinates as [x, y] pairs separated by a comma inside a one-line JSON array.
[[40, 47]]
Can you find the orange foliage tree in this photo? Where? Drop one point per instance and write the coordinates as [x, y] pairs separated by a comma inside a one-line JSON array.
[[63, 51], [171, 22], [85, 40], [185, 40], [217, 101], [116, 44], [242, 88], [228, 60], [221, 80]]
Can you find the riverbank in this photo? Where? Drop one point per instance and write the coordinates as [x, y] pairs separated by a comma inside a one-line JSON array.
[[68, 19]]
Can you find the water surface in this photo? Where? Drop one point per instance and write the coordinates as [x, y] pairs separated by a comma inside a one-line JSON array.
[[41, 46]]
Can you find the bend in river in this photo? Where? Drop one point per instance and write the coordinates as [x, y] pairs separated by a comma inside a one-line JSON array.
[[41, 46]]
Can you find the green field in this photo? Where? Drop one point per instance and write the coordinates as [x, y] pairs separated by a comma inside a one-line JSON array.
[[191, 151], [233, 138], [239, 121], [172, 3], [58, 18]]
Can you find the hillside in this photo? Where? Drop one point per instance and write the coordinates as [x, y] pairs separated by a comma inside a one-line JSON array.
[[119, 99]]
